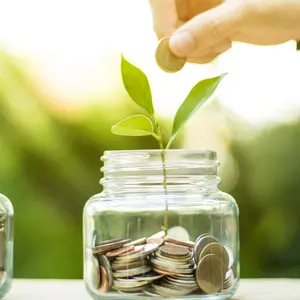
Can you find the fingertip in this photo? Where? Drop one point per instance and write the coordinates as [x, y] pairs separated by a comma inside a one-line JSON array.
[[182, 43]]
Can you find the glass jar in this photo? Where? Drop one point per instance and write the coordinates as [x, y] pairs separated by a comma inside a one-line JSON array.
[[6, 245], [161, 228]]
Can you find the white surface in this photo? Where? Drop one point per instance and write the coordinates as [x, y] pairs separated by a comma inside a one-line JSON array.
[[258, 289]]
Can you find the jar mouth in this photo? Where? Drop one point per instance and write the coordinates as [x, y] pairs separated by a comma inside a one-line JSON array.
[[151, 162], [149, 169], [208, 155]]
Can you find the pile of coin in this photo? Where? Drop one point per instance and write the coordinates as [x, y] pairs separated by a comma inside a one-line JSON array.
[[174, 259], [124, 265], [163, 266], [214, 263]]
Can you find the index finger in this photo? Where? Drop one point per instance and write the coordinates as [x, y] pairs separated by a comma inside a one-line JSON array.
[[165, 17]]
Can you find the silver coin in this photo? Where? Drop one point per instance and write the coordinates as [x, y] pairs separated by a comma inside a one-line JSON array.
[[231, 257], [175, 286], [131, 272], [193, 281], [161, 262], [151, 292], [182, 279], [169, 292], [178, 260], [138, 242], [140, 293], [116, 266], [202, 243], [120, 284], [132, 290], [93, 271], [201, 236], [152, 276], [105, 263], [185, 285], [172, 270], [148, 249], [183, 276], [94, 238]]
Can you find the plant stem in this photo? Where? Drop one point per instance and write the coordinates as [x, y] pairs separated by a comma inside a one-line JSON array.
[[169, 144], [161, 145]]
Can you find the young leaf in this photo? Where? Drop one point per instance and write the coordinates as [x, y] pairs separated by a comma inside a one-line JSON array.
[[137, 85], [197, 96], [137, 125]]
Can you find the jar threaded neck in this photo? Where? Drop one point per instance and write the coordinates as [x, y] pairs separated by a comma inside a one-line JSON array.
[[142, 170]]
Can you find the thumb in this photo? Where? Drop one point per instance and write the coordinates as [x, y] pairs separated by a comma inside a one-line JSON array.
[[206, 30]]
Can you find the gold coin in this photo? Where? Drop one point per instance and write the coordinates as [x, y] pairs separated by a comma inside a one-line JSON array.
[[218, 250], [201, 243], [165, 59], [209, 274]]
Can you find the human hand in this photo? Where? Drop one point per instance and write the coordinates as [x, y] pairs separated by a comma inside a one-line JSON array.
[[203, 29]]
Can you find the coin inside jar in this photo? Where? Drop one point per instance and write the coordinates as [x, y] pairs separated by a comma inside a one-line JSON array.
[[202, 243], [105, 263], [167, 60], [137, 242], [209, 274], [180, 243], [104, 285], [174, 250], [218, 250], [119, 251]]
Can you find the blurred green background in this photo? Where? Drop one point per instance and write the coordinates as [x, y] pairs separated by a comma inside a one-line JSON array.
[[52, 135]]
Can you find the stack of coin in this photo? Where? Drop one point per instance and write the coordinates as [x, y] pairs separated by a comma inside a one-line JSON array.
[[177, 264], [132, 270], [104, 272], [228, 282], [163, 266], [214, 263]]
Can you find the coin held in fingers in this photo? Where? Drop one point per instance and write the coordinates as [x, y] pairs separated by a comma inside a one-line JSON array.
[[166, 59]]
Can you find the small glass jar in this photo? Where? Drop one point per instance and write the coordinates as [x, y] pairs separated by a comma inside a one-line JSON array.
[[161, 228], [6, 245]]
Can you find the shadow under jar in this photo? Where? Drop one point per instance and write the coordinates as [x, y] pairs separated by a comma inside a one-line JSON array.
[[161, 228], [6, 245]]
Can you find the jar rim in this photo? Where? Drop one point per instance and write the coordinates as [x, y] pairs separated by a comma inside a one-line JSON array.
[[211, 153]]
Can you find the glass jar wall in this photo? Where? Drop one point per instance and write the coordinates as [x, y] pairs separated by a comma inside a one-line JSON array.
[[6, 245], [148, 234]]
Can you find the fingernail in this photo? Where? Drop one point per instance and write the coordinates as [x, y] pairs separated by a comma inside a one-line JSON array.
[[182, 43]]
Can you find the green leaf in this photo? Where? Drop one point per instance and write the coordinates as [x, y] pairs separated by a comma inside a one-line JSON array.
[[199, 94], [137, 85], [137, 125]]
